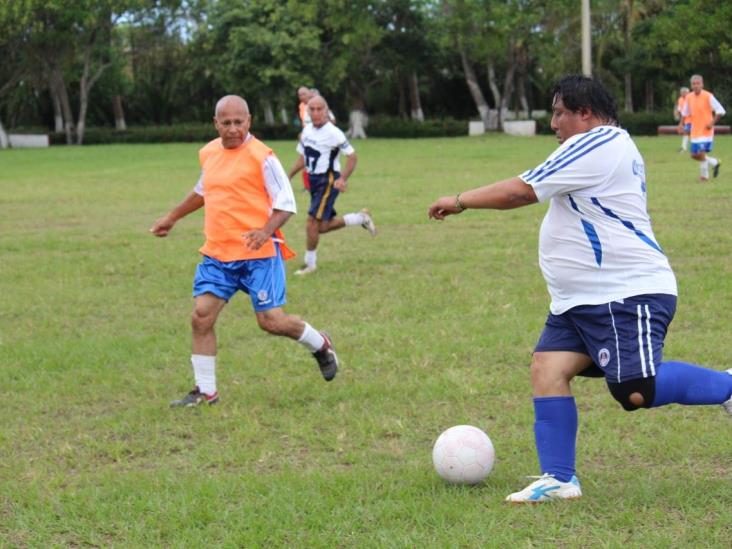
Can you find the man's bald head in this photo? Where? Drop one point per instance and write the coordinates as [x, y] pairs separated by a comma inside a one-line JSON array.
[[318, 109], [231, 102], [303, 94], [232, 120]]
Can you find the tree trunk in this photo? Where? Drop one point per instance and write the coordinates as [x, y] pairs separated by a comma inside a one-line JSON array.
[[357, 118], [283, 115], [57, 81], [58, 117], [402, 99], [650, 104], [86, 83], [628, 44], [414, 100], [507, 85], [119, 113], [4, 142], [495, 91], [268, 112], [628, 92], [472, 81], [521, 93]]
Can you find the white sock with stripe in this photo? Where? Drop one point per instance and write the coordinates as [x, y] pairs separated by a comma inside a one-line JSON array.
[[354, 219], [311, 257], [712, 161], [311, 339], [204, 371]]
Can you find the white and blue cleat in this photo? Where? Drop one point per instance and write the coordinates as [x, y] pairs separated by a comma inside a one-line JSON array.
[[547, 488]]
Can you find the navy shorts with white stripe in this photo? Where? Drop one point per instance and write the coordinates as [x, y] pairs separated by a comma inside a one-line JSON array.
[[624, 338]]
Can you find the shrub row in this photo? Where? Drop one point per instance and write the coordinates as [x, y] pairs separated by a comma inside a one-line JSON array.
[[641, 123], [197, 133], [379, 126], [636, 123]]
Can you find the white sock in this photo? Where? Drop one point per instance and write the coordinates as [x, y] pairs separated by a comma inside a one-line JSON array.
[[704, 169], [685, 142], [712, 161], [311, 257], [204, 371], [354, 219], [311, 339]]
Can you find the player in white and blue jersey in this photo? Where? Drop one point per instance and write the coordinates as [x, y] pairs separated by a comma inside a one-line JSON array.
[[613, 293], [320, 146]]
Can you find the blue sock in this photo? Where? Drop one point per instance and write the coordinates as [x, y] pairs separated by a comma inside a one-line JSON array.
[[555, 431], [682, 383]]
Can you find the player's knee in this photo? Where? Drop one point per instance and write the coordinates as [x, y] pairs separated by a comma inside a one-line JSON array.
[[269, 324], [201, 321], [634, 394], [544, 378]]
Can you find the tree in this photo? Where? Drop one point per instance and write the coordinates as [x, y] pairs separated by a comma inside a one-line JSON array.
[[263, 49], [70, 40]]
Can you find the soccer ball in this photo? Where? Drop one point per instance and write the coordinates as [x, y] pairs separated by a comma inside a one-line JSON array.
[[463, 455]]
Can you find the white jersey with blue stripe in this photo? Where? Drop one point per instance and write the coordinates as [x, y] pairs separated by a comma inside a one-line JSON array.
[[596, 244]]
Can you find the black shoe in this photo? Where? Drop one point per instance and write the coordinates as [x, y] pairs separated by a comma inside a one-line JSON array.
[[327, 359], [194, 398], [715, 170]]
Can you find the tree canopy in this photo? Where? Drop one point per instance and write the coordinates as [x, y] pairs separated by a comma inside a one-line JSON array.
[[166, 61]]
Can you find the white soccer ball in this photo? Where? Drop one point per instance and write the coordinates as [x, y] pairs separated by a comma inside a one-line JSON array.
[[463, 455]]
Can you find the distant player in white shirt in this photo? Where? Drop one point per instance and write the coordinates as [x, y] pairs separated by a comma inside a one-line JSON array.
[[321, 144], [613, 293]]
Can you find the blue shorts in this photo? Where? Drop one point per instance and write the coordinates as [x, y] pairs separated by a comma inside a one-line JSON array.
[[262, 279], [323, 196], [623, 338], [701, 147], [687, 128]]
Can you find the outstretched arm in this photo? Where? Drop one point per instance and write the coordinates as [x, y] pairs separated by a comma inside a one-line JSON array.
[[502, 195], [190, 204]]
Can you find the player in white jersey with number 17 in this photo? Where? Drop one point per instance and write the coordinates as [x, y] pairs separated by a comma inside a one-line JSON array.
[[321, 144], [613, 293]]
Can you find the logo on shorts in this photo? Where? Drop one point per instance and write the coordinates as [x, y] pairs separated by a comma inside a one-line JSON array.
[[262, 296], [603, 357]]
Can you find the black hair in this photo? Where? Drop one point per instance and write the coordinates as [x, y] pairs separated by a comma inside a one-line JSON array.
[[582, 92]]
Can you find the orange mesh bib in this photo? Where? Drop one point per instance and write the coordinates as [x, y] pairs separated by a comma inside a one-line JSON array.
[[236, 200]]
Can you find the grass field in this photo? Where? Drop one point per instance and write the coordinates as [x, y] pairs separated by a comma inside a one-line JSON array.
[[434, 324]]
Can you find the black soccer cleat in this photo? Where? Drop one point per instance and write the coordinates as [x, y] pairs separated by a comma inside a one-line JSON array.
[[327, 359], [715, 169], [195, 398]]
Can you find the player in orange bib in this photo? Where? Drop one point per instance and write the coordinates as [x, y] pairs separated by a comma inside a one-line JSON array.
[[684, 121], [304, 94], [705, 111], [247, 198]]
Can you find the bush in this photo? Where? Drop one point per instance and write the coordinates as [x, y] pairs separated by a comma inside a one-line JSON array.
[[390, 126], [184, 133], [379, 126], [636, 123]]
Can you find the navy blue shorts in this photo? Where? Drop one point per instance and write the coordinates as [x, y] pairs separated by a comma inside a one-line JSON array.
[[263, 279], [623, 338], [323, 196]]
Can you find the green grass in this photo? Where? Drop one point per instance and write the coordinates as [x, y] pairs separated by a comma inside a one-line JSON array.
[[434, 324]]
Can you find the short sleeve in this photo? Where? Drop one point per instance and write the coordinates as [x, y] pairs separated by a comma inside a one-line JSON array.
[[717, 106], [584, 160], [278, 185], [198, 188], [342, 142]]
